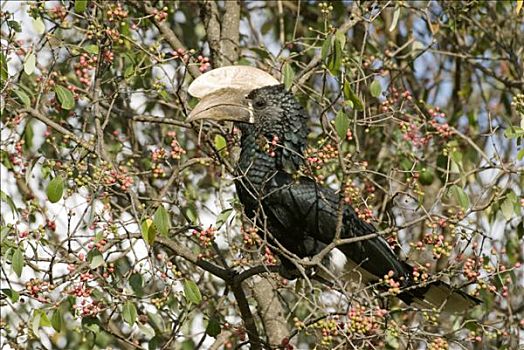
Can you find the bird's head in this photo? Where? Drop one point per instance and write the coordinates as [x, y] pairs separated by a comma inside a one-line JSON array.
[[261, 104], [241, 94]]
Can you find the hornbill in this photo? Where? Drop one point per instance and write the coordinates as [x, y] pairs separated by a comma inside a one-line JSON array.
[[300, 215]]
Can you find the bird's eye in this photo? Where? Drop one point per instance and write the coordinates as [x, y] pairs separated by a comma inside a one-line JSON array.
[[259, 103]]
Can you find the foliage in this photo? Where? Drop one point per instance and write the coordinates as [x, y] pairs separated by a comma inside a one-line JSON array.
[[119, 224]]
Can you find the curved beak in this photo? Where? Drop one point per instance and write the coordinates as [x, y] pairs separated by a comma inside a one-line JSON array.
[[226, 104]]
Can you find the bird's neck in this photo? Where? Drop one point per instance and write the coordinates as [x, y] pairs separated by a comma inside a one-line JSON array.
[[271, 148], [258, 161]]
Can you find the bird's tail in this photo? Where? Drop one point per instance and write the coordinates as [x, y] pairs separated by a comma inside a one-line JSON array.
[[438, 295]]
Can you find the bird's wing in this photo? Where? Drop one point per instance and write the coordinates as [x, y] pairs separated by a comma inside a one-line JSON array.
[[304, 217], [307, 212]]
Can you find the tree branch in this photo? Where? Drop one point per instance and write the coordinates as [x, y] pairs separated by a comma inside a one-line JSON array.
[[230, 32], [211, 17], [270, 310], [247, 315], [168, 33], [36, 114]]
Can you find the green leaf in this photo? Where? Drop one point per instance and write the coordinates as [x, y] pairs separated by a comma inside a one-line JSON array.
[[57, 320], [146, 330], [65, 97], [137, 283], [326, 47], [12, 294], [92, 324], [148, 229], [162, 221], [129, 313], [188, 344], [15, 26], [222, 217], [213, 327], [191, 292], [520, 155], [28, 136], [35, 322], [39, 25], [288, 75], [30, 63], [129, 72], [375, 88], [18, 261], [396, 16], [460, 196], [349, 95], [340, 36], [191, 215], [3, 68], [44, 320], [95, 258], [22, 97], [336, 58], [507, 209], [261, 52], [4, 231], [156, 321], [80, 6], [7, 199], [417, 47], [454, 167], [55, 189], [457, 157], [341, 124], [92, 49], [220, 142]]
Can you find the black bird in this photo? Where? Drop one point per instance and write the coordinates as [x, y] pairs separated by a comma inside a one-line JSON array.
[[300, 215]]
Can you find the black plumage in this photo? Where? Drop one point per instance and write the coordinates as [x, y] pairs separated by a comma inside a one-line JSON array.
[[302, 215], [296, 215]]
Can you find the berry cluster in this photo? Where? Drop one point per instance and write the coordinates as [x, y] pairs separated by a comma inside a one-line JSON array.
[[58, 12], [391, 283], [394, 98], [250, 237], [420, 273], [328, 328], [99, 245], [285, 344], [160, 15], [325, 8], [92, 308], [176, 150], [271, 146], [438, 344], [118, 178], [351, 193], [206, 236], [84, 68], [36, 286], [411, 133], [50, 224], [81, 290], [317, 158], [470, 269], [17, 158], [204, 62], [269, 257], [362, 321], [116, 13], [364, 214]]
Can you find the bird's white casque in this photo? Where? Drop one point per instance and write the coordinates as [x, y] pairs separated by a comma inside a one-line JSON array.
[[222, 93], [231, 77]]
